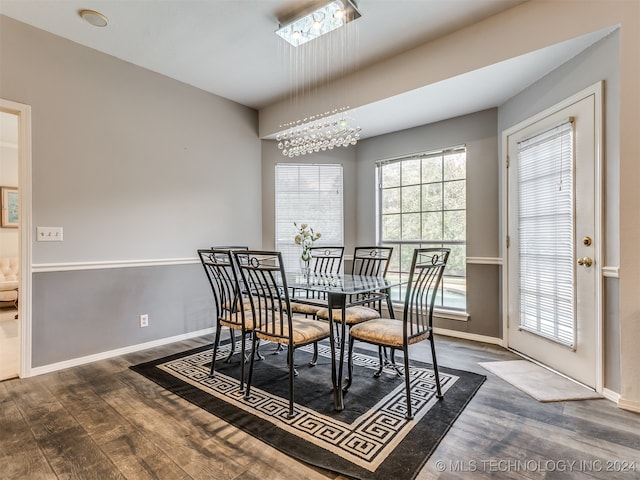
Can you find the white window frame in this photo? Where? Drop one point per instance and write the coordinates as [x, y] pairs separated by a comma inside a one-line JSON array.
[[458, 311]]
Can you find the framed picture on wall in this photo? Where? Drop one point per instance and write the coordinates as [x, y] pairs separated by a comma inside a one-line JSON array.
[[10, 207]]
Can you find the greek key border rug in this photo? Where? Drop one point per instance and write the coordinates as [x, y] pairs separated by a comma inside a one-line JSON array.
[[370, 439]]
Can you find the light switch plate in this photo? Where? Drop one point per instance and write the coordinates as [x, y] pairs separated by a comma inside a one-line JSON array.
[[49, 234]]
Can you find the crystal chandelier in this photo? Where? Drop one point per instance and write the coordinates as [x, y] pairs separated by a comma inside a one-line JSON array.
[[305, 25], [334, 128], [318, 133]]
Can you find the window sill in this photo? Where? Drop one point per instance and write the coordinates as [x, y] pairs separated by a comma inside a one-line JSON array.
[[437, 313], [451, 315]]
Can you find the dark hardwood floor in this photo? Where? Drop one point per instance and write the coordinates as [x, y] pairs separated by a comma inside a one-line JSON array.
[[102, 421]]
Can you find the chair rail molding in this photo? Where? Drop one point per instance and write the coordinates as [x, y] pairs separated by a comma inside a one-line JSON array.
[[611, 272], [102, 264], [484, 260]]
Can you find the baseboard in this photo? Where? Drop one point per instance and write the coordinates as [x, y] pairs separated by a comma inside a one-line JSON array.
[[74, 362], [630, 405], [469, 336], [611, 395]]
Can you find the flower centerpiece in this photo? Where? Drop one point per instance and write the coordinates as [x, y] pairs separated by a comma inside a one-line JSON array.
[[305, 238]]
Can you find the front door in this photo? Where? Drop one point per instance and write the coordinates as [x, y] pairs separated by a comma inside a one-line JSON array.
[[554, 238]]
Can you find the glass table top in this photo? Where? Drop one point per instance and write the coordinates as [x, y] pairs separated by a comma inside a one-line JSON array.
[[341, 283]]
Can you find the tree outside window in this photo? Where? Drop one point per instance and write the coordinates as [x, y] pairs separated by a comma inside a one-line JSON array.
[[422, 203]]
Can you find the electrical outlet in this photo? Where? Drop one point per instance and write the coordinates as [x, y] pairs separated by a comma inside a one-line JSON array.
[[144, 320]]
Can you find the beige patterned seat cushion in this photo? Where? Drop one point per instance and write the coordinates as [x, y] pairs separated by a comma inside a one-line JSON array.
[[248, 321], [383, 331], [354, 315], [246, 303], [306, 308], [305, 330]]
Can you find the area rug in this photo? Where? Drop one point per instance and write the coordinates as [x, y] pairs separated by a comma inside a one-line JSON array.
[[370, 439], [539, 382]]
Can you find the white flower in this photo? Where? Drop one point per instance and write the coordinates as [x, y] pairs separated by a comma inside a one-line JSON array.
[[305, 237]]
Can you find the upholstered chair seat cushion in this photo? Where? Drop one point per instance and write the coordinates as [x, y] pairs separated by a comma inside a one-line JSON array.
[[305, 330], [307, 308], [237, 321], [383, 331], [354, 315], [246, 303]]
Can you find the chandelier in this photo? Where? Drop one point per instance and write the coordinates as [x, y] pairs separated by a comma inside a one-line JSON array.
[[304, 26], [318, 133], [334, 128]]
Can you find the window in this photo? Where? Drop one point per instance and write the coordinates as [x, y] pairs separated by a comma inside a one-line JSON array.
[[422, 203], [310, 194], [545, 234]]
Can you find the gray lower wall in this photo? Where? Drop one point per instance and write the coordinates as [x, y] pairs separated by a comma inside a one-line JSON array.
[[80, 313]]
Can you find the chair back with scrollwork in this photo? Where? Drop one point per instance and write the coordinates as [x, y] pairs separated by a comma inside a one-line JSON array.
[[373, 262], [425, 277], [266, 286], [222, 275], [326, 259]]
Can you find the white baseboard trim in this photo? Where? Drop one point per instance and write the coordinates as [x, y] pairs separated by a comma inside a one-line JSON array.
[[611, 395], [74, 362], [468, 336], [630, 405]]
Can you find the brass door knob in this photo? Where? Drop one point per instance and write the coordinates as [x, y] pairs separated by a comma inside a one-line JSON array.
[[585, 261]]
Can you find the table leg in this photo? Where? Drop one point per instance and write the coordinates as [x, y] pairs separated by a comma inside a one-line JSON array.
[[336, 300]]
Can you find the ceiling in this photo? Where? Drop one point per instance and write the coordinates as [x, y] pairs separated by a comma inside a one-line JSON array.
[[229, 48]]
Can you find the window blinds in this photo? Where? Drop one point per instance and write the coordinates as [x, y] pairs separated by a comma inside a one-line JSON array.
[[310, 194], [546, 234]]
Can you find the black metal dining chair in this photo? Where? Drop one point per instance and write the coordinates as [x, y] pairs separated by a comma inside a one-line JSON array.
[[245, 300], [265, 279], [369, 261], [425, 277], [230, 306], [324, 260]]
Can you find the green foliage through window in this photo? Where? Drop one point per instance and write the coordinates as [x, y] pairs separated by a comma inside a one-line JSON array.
[[422, 203]]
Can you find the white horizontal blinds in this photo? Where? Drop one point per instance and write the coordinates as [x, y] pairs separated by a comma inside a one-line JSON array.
[[546, 234], [310, 194]]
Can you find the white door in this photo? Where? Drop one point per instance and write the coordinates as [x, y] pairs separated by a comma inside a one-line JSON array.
[[554, 238]]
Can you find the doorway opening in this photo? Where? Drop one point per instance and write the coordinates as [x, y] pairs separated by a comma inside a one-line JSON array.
[[15, 239]]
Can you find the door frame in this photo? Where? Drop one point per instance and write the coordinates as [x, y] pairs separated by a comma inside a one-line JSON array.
[[23, 112], [595, 90]]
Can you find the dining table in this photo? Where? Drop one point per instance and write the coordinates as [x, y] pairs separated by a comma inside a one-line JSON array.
[[341, 290]]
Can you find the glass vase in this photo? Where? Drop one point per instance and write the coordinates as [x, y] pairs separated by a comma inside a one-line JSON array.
[[305, 266]]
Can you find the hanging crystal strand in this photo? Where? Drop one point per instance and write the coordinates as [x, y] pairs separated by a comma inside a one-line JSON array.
[[310, 66]]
